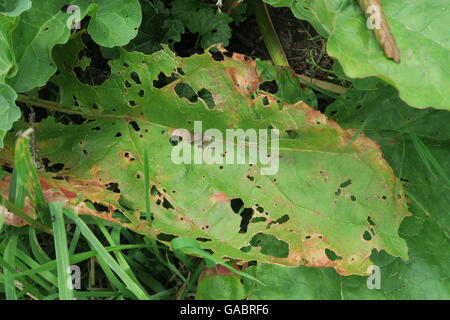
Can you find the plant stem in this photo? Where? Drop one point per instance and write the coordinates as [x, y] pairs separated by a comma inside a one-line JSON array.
[[229, 5], [269, 33], [328, 86]]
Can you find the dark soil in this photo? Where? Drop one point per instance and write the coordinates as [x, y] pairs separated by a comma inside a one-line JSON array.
[[304, 48]]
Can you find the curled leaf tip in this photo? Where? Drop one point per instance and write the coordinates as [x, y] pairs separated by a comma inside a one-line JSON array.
[[376, 21]]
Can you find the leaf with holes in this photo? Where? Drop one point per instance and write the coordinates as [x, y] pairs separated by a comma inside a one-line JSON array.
[[423, 76], [427, 273], [330, 194]]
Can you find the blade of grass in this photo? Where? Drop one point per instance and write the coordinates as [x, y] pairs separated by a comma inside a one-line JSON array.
[[113, 280], [26, 263], [27, 175], [74, 241], [10, 258], [192, 279], [26, 286], [97, 246], [74, 259], [65, 288], [428, 159], [37, 250], [119, 255], [2, 216], [145, 277]]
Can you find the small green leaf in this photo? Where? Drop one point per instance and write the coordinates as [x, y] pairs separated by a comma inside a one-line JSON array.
[[106, 257]]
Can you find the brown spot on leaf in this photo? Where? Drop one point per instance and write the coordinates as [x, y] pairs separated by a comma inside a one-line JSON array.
[[219, 197]]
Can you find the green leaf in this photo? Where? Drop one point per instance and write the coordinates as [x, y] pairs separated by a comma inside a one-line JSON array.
[[45, 25], [400, 130], [425, 276], [13, 8], [158, 27], [220, 284], [212, 26], [427, 273], [326, 187], [9, 112], [422, 78], [289, 88], [115, 23], [9, 256], [300, 283]]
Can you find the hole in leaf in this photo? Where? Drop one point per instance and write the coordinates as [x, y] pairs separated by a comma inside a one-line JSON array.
[[236, 205], [135, 126], [57, 167], [174, 140], [367, 236], [246, 215], [346, 183], [246, 249], [167, 205], [217, 55], [269, 86], [332, 255], [166, 237], [114, 187], [292, 134], [280, 220], [270, 245], [207, 96], [135, 78], [163, 80], [184, 90]]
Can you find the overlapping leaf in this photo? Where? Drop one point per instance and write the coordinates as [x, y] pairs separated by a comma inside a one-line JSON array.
[[328, 192], [423, 76], [427, 273]]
